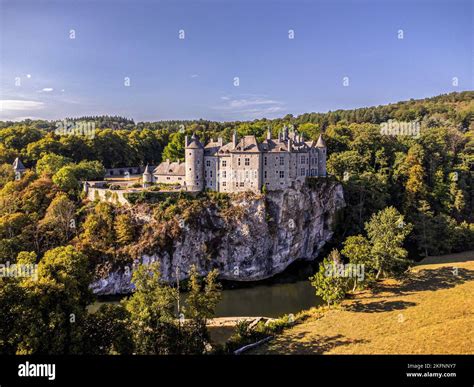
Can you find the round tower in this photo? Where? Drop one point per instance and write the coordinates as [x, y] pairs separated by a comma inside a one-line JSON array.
[[322, 149], [147, 176], [194, 164]]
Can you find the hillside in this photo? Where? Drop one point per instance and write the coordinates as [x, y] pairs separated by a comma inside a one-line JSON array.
[[431, 312]]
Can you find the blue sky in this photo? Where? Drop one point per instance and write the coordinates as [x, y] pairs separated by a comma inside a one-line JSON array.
[[46, 74]]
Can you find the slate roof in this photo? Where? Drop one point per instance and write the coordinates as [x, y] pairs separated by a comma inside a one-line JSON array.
[[18, 165], [168, 168], [321, 143]]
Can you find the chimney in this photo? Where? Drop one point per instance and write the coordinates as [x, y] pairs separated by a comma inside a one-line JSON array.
[[279, 135], [269, 134], [290, 145], [234, 138], [186, 141], [220, 142]]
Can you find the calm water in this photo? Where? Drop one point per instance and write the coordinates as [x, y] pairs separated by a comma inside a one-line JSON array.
[[262, 300], [267, 300]]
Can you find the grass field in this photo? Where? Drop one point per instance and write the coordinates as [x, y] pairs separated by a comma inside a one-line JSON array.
[[431, 312]]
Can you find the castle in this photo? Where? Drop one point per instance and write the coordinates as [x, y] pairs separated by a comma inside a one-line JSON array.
[[244, 164]]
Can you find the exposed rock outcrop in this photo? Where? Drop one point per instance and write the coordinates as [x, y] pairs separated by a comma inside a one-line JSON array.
[[259, 237]]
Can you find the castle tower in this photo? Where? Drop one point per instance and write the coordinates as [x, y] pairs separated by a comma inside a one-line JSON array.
[[234, 138], [194, 164], [322, 150], [147, 176], [18, 168]]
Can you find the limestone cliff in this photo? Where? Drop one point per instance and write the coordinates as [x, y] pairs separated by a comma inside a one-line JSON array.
[[255, 237]]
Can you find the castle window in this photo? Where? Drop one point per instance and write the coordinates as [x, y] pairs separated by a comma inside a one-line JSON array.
[[241, 183], [254, 174], [205, 173], [210, 173], [208, 163], [246, 174], [265, 174], [224, 163], [224, 183], [265, 160], [247, 162], [224, 174], [282, 174], [302, 159], [302, 172], [282, 161], [238, 162]]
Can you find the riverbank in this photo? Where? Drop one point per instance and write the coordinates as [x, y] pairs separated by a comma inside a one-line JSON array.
[[430, 312]]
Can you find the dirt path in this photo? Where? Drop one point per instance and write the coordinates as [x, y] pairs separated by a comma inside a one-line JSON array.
[[431, 312]]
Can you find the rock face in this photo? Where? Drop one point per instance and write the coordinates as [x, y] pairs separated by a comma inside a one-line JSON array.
[[262, 236]]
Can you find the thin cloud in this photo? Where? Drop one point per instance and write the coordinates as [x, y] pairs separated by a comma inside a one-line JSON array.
[[7, 105], [47, 89], [252, 107]]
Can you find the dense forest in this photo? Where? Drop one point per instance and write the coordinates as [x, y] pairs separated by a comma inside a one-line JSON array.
[[429, 179]]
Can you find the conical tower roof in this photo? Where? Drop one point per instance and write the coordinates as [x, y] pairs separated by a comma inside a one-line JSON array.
[[320, 143], [18, 165], [194, 143]]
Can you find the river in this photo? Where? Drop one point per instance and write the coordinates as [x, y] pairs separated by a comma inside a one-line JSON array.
[[269, 300]]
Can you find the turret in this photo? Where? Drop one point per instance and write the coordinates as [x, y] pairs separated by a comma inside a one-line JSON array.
[[194, 164], [147, 176], [234, 138], [321, 147], [269, 134], [18, 168]]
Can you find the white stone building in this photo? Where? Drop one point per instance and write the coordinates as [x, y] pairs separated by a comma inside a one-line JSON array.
[[244, 164]]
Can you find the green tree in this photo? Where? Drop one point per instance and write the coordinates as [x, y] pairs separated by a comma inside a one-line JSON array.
[[50, 163], [175, 148], [66, 179], [151, 310], [387, 231], [201, 302], [330, 286], [358, 250], [57, 302]]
